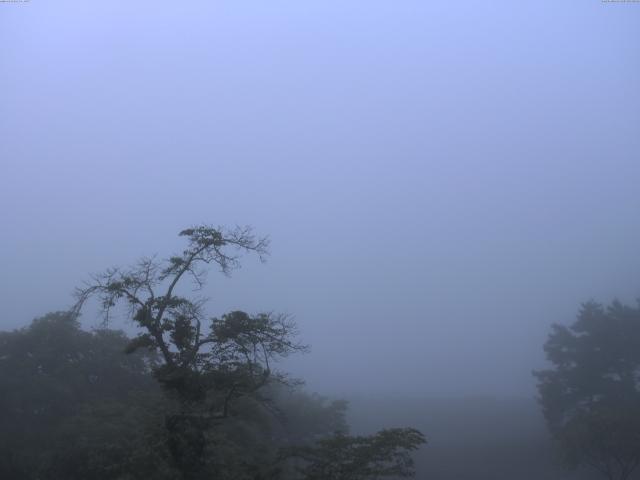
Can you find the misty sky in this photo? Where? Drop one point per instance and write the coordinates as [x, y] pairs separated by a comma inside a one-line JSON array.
[[440, 180]]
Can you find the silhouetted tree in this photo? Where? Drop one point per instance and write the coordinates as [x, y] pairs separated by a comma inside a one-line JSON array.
[[217, 371], [207, 364], [74, 405], [591, 396]]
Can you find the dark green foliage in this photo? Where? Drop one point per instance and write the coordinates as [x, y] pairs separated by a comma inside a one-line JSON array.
[[207, 366], [591, 396], [220, 415], [73, 406], [96, 412], [112, 440], [345, 457]]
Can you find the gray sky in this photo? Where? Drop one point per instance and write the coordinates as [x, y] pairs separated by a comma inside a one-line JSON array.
[[441, 180]]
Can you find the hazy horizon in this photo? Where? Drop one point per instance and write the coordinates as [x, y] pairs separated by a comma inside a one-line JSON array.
[[440, 181]]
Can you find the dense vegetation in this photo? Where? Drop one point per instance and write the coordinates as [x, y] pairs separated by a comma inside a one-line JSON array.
[[75, 406], [591, 396], [193, 397]]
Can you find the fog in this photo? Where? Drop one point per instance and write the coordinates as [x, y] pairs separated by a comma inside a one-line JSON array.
[[441, 181]]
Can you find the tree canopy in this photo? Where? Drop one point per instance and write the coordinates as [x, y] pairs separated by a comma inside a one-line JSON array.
[[207, 364], [591, 395], [345, 457], [218, 373], [73, 406]]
